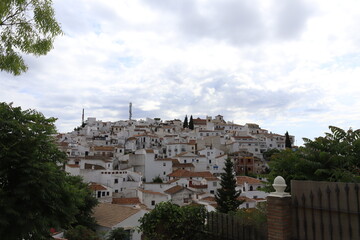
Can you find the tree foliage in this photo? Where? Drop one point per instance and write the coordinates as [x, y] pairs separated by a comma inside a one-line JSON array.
[[118, 234], [169, 221], [334, 157], [26, 26], [226, 196], [81, 233], [186, 124], [157, 179], [35, 194], [287, 140], [191, 123]]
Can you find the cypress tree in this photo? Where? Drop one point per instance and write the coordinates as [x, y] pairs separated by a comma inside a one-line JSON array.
[[226, 196], [191, 123], [287, 140], [185, 124]]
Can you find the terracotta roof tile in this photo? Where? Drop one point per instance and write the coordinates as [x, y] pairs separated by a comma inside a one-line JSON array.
[[109, 215], [242, 179], [174, 189], [126, 201], [73, 165], [151, 192], [96, 187], [181, 173]]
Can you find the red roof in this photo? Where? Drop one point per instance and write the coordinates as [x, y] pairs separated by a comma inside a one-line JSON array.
[[181, 173], [242, 179], [174, 189], [96, 187], [126, 201]]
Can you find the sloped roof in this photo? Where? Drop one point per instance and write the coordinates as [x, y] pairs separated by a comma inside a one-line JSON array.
[[174, 189], [242, 179], [181, 173], [96, 187], [96, 167], [181, 165], [125, 201], [108, 215], [73, 165], [151, 192], [103, 148]]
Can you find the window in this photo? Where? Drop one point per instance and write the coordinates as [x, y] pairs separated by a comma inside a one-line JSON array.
[[184, 160], [152, 203], [103, 194], [116, 180], [164, 164], [214, 184], [164, 173], [107, 193], [212, 191], [209, 161], [116, 191]]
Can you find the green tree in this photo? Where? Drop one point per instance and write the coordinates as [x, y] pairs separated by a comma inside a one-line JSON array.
[[81, 233], [26, 26], [157, 179], [118, 234], [186, 124], [227, 196], [268, 153], [191, 123], [35, 194], [85, 202], [287, 140], [334, 157], [170, 221]]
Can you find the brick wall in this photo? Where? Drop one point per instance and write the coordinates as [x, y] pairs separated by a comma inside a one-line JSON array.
[[279, 218]]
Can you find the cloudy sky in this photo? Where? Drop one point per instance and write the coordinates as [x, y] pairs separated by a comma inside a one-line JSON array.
[[290, 65]]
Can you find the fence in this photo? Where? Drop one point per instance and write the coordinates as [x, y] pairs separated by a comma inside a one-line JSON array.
[[325, 210], [226, 227]]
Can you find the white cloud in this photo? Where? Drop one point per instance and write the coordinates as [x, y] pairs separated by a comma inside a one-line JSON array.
[[289, 66]]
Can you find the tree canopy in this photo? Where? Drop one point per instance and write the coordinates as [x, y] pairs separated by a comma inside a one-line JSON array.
[[35, 194], [118, 234], [186, 123], [287, 140], [226, 196], [334, 157], [26, 26], [191, 123], [168, 221]]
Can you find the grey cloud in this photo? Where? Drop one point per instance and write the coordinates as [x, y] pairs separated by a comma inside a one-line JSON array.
[[291, 17], [236, 22]]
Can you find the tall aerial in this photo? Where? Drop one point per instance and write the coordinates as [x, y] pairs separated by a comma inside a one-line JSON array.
[[130, 111], [82, 119]]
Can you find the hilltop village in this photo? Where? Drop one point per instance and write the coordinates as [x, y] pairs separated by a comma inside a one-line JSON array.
[[134, 164]]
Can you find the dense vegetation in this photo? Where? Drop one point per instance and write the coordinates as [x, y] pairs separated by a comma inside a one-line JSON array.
[[170, 221], [334, 157], [35, 194]]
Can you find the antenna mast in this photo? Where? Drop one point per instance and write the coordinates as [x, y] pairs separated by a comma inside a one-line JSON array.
[[82, 122], [130, 111]]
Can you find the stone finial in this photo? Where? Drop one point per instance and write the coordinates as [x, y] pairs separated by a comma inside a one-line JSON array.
[[279, 185]]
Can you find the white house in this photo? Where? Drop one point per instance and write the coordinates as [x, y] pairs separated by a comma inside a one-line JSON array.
[[111, 216]]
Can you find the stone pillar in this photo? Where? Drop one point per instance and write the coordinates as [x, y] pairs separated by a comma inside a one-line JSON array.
[[279, 212]]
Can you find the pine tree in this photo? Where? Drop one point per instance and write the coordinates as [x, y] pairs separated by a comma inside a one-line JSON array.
[[287, 140], [226, 196], [191, 123], [185, 124]]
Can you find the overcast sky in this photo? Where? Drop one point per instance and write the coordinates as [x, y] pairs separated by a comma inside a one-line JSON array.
[[289, 65]]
